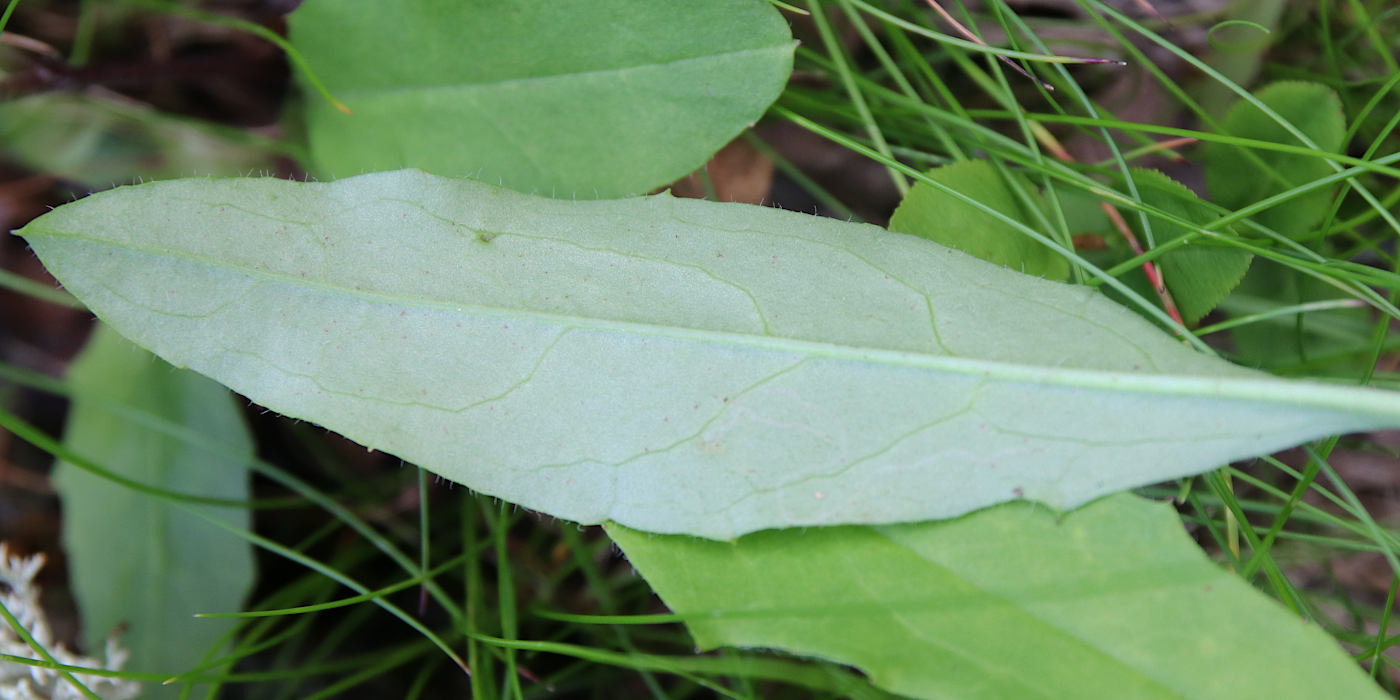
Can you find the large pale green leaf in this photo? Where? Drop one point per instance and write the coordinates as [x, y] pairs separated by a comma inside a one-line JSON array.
[[1110, 601], [586, 99], [138, 562], [940, 217], [673, 365], [1237, 178]]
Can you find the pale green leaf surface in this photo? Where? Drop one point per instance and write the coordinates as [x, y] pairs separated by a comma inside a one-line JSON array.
[[931, 213], [672, 365], [1235, 180], [1111, 601], [1199, 275], [138, 562], [595, 99]]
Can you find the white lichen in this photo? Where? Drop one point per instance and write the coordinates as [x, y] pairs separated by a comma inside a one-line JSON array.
[[20, 681]]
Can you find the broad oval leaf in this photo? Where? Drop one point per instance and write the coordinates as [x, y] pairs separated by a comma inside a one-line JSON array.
[[673, 365], [1111, 601], [588, 99], [1237, 177]]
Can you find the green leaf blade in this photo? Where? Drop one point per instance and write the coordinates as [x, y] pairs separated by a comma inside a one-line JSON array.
[[942, 218], [1113, 600], [1199, 276], [673, 365], [1236, 179], [138, 563], [595, 100]]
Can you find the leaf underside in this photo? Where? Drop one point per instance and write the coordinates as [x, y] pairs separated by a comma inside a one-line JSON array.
[[675, 366]]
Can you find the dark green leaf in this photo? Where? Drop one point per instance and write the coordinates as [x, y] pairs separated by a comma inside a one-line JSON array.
[[569, 99], [930, 213], [1198, 275]]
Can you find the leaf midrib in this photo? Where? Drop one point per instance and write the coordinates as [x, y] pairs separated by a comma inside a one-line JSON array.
[[1263, 387], [352, 92], [1088, 643]]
